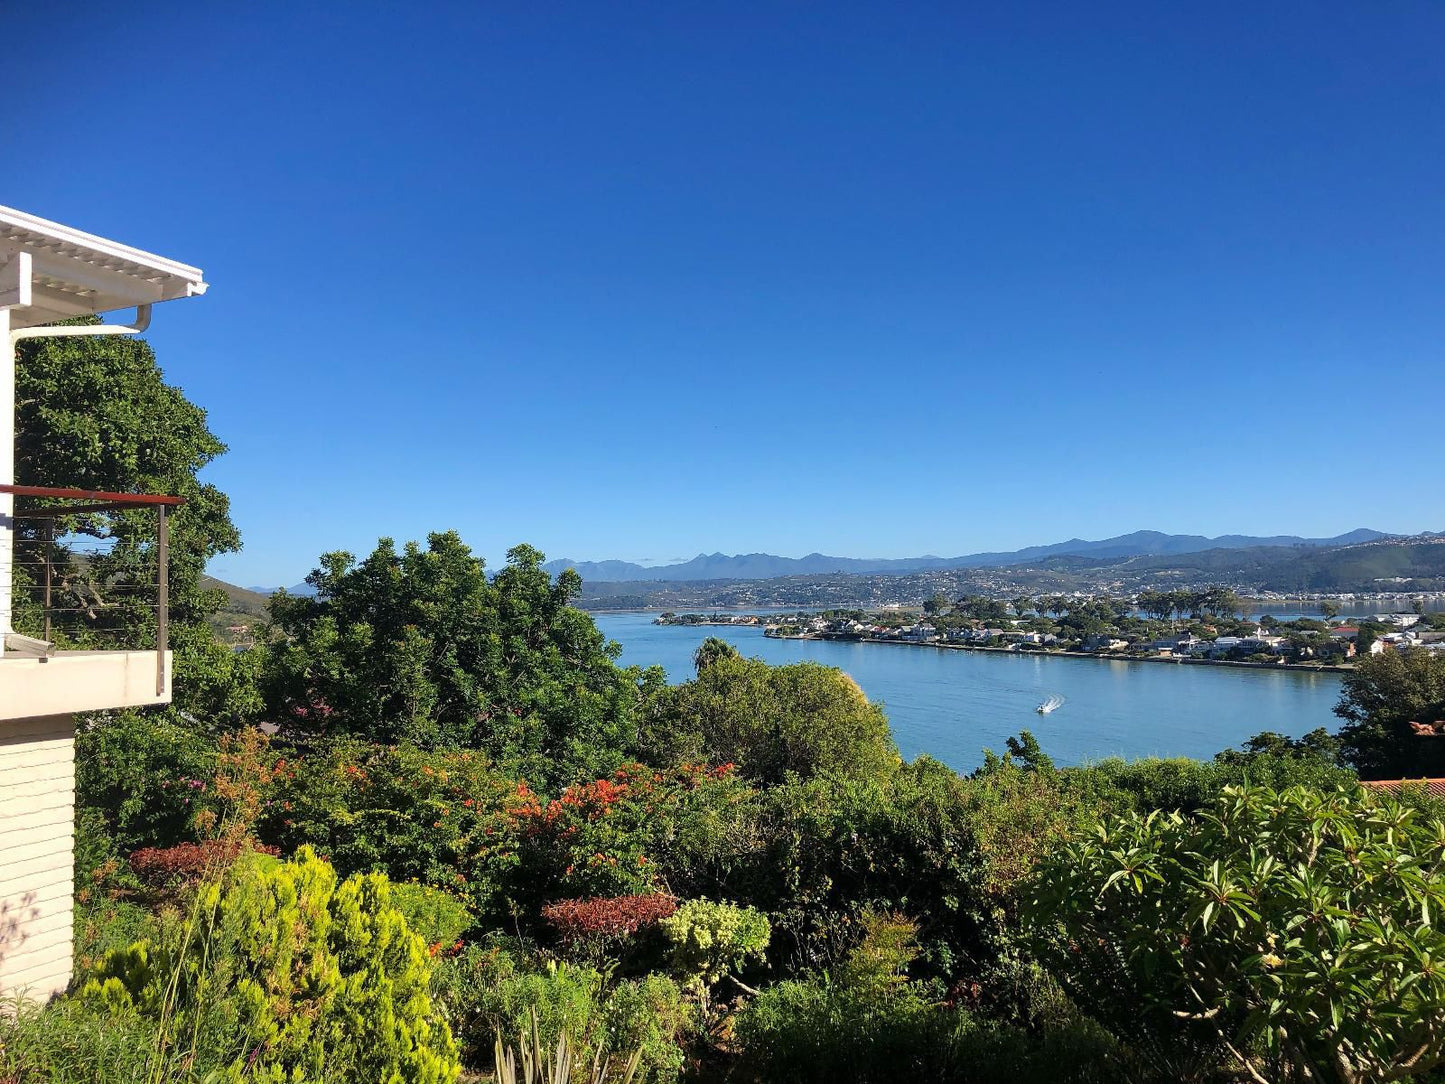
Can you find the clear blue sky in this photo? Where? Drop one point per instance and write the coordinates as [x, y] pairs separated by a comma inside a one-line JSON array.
[[642, 280]]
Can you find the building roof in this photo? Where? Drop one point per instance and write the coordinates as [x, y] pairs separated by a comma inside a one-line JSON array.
[[1435, 788], [51, 272]]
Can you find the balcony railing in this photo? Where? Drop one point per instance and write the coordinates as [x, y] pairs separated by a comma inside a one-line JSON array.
[[81, 580]]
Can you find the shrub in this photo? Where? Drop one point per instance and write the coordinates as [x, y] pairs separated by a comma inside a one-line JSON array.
[[496, 992], [608, 919], [495, 988], [835, 848], [617, 836], [802, 718], [438, 917], [438, 818], [816, 1030], [712, 940], [1298, 930], [650, 1016], [281, 973], [67, 1042], [868, 1023], [161, 867], [148, 775]]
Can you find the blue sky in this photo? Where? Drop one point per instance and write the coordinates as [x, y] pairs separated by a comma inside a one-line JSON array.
[[643, 280]]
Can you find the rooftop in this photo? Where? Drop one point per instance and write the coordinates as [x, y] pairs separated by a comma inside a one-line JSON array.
[[51, 272]]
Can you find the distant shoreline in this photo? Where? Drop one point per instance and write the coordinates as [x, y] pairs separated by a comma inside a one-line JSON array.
[[1172, 660]]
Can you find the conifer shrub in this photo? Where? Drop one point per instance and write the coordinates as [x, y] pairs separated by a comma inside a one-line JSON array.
[[283, 973]]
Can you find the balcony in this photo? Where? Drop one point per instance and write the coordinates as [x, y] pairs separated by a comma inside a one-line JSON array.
[[91, 611]]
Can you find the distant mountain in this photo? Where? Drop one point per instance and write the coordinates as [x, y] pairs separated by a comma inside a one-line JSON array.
[[300, 589], [765, 566]]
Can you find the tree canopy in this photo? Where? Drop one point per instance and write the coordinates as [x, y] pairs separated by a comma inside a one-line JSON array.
[[804, 718], [419, 646], [1380, 698]]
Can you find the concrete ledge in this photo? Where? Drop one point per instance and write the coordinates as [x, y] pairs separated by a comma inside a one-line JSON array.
[[72, 681]]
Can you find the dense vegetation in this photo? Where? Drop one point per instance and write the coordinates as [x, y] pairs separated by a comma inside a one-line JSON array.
[[474, 841]]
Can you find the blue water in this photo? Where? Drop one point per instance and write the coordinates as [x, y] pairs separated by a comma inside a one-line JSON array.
[[953, 704]]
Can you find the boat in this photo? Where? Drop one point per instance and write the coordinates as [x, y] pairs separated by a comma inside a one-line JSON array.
[[1053, 703]]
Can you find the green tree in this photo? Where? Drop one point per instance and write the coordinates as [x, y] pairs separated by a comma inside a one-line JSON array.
[[1298, 930], [802, 718], [710, 651], [420, 647], [1330, 609], [97, 413], [1379, 699]]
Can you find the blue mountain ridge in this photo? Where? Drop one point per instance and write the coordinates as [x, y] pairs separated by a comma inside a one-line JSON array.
[[762, 566]]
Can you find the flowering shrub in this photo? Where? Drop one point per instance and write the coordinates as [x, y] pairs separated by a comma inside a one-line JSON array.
[[607, 919], [615, 837], [442, 819]]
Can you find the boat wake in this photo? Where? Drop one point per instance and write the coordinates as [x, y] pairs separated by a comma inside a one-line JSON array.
[[1053, 703]]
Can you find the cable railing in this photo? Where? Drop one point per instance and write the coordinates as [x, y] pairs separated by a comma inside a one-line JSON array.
[[84, 578]]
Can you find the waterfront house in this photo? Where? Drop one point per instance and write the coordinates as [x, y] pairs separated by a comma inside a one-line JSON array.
[[1223, 645], [50, 272]]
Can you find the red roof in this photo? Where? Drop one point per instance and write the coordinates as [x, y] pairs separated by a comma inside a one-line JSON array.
[[1435, 788]]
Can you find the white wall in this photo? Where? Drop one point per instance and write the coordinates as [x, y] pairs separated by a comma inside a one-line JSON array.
[[37, 853]]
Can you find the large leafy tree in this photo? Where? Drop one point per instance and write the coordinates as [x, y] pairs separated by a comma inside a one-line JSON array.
[[805, 719], [97, 413], [420, 646], [1296, 932], [1379, 700]]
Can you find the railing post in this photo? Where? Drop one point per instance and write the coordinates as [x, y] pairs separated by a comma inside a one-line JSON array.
[[162, 597], [47, 541]]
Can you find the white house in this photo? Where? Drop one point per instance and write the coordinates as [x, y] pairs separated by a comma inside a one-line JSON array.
[[50, 272]]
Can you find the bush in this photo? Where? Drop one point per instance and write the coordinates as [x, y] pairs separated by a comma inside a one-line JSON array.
[[1297, 931], [164, 867], [803, 718], [817, 1030], [598, 922], [438, 917], [280, 974], [624, 835], [498, 990], [437, 818], [67, 1042], [712, 940], [147, 775]]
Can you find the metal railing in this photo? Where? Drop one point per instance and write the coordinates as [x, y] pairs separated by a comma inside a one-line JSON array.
[[36, 555]]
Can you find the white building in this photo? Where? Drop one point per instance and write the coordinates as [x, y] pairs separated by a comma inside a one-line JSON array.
[[50, 272]]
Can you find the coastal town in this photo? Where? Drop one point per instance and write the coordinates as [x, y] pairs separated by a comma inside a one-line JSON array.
[[1111, 628]]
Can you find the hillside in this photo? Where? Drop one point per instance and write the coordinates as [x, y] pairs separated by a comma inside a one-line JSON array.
[[1387, 565], [764, 566]]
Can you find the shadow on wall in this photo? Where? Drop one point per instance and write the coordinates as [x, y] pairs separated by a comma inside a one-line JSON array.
[[15, 915]]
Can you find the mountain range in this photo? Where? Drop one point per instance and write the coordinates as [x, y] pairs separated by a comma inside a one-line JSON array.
[[763, 566]]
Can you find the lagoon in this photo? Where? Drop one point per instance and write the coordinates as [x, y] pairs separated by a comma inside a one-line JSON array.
[[953, 704]]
